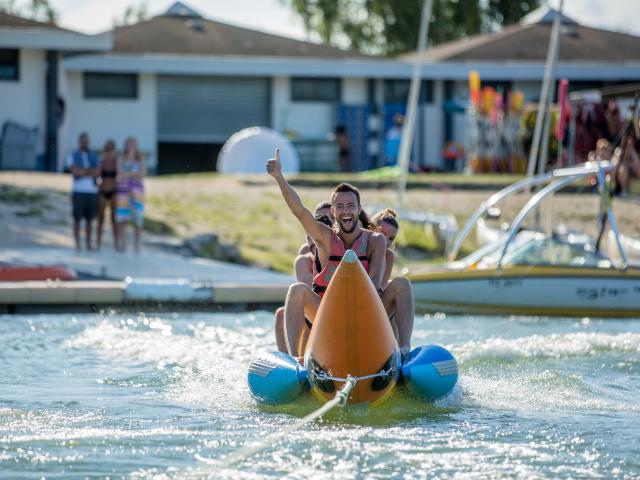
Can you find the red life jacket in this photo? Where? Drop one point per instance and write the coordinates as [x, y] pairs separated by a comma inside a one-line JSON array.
[[321, 279]]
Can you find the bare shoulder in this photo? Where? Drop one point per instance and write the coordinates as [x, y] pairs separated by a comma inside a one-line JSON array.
[[377, 240]]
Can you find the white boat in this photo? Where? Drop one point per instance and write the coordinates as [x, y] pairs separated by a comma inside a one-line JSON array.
[[532, 273]]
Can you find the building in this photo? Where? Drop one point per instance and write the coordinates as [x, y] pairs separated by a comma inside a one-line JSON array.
[[182, 84], [33, 87]]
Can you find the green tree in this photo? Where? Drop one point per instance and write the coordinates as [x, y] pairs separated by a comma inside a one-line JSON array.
[[132, 15], [39, 10], [391, 27]]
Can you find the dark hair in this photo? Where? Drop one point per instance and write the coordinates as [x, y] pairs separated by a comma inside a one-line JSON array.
[[324, 219], [322, 205], [364, 220], [346, 187], [387, 215]]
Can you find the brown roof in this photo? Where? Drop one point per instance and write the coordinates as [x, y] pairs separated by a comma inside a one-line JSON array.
[[7, 20], [199, 36], [530, 43]]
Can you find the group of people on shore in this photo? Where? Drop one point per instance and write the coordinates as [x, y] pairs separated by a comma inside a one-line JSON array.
[[334, 227], [111, 180]]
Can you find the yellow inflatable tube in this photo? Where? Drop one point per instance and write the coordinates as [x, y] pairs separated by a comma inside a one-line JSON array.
[[352, 336]]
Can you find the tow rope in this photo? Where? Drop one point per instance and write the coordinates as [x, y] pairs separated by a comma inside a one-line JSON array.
[[339, 400]]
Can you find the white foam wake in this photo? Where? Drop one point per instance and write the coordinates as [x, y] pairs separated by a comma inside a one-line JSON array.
[[548, 346]]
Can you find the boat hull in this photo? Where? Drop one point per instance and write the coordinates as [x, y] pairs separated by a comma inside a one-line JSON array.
[[531, 290]]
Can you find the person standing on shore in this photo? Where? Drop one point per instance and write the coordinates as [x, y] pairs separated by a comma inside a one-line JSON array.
[[107, 193], [130, 194], [84, 195]]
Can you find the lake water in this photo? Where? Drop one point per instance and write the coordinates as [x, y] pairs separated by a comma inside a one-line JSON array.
[[163, 395]]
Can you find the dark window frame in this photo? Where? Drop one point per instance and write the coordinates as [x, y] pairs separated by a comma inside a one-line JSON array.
[[89, 91], [313, 96], [12, 62], [426, 91]]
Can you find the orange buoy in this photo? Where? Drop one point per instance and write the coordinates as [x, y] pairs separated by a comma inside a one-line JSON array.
[[352, 336]]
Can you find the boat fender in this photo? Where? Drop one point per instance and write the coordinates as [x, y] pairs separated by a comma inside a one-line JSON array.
[[276, 378], [430, 372]]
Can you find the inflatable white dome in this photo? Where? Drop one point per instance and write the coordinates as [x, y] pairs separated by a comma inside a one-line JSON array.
[[248, 150]]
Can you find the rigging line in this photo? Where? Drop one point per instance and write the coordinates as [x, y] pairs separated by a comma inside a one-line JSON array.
[[340, 400]]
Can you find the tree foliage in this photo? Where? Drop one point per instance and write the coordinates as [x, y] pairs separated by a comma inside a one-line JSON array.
[[132, 14], [391, 27], [39, 10]]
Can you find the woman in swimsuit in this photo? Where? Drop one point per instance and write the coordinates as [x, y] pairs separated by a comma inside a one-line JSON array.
[[108, 168], [130, 193]]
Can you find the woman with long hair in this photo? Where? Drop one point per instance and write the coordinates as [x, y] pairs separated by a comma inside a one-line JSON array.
[[108, 169], [130, 195]]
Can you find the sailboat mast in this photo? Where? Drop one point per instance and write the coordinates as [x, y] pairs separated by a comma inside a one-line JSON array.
[[406, 140]]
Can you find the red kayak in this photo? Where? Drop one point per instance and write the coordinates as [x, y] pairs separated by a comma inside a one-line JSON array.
[[23, 273]]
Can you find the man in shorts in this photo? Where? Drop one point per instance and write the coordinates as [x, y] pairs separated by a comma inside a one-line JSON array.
[[83, 164]]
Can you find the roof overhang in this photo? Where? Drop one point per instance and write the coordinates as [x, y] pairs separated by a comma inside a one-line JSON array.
[[355, 68], [53, 39]]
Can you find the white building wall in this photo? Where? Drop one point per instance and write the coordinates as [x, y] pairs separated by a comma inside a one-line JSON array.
[[115, 119], [354, 91], [311, 120], [23, 101]]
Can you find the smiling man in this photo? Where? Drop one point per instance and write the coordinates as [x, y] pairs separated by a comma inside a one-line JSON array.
[[331, 244]]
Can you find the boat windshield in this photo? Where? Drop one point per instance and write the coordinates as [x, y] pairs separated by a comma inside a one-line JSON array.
[[544, 250], [536, 248]]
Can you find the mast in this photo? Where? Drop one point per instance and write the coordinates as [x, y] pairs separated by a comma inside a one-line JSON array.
[[406, 140], [545, 100]]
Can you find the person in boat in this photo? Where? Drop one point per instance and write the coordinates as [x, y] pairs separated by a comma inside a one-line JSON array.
[[331, 244], [83, 164], [399, 300], [108, 168]]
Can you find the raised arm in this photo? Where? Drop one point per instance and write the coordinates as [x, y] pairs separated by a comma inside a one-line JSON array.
[[377, 251], [320, 233]]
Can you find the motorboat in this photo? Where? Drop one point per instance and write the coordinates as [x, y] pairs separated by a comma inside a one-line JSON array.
[[530, 272]]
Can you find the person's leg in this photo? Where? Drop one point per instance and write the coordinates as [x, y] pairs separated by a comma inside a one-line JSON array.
[[136, 237], [76, 233], [122, 236], [281, 343], [398, 298], [77, 216], [623, 178], [301, 300], [101, 208], [88, 224], [114, 229]]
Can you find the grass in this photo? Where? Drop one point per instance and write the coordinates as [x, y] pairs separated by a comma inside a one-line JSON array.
[[256, 219], [13, 195]]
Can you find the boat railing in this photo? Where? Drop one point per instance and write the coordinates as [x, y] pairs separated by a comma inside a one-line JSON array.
[[559, 178], [569, 175]]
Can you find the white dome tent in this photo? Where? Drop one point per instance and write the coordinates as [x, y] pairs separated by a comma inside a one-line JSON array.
[[248, 150]]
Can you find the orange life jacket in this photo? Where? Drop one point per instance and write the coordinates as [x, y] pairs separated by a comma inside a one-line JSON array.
[[321, 279]]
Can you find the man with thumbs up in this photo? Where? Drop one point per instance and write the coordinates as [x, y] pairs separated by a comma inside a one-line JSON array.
[[331, 244]]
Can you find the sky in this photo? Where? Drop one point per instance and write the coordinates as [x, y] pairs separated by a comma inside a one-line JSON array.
[[274, 16]]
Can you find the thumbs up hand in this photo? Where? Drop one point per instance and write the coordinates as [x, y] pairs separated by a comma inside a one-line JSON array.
[[274, 168]]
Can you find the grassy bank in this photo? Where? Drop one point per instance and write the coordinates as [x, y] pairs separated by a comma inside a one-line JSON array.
[[250, 214]]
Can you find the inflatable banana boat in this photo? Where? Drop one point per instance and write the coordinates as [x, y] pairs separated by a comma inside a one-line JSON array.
[[351, 337]]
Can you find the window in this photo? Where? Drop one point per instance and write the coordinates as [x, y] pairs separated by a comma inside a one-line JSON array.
[[315, 89], [9, 64], [110, 85], [397, 91]]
